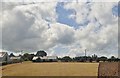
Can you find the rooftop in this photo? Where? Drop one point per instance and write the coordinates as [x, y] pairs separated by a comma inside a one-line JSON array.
[[2, 54]]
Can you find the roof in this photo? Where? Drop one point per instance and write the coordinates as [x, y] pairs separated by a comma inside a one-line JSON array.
[[2, 54], [49, 57], [45, 57], [15, 57], [34, 58]]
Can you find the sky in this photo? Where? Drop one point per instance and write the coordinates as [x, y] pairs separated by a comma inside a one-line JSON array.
[[60, 28]]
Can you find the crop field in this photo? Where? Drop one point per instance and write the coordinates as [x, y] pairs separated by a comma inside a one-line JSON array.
[[62, 69], [109, 69], [50, 69]]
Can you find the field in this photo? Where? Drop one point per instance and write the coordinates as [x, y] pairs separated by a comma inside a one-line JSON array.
[[109, 69], [50, 69]]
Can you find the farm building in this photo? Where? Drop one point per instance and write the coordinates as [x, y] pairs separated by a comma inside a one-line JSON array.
[[45, 59], [4, 58], [41, 56], [16, 59]]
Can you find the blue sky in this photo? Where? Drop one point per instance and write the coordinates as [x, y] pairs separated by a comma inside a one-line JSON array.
[[63, 16]]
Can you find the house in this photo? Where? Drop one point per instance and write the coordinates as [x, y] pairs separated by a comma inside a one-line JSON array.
[[4, 58], [45, 59], [16, 59], [41, 56]]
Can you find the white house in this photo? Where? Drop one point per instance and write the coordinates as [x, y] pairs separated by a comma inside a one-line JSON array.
[[45, 59], [15, 59], [4, 57]]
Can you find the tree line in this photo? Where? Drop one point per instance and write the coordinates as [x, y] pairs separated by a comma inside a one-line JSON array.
[[93, 58]]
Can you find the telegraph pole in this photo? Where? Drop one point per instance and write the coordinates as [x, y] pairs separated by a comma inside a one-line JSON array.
[[85, 55], [21, 55]]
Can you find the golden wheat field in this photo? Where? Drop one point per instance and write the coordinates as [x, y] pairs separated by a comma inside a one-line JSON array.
[[50, 69]]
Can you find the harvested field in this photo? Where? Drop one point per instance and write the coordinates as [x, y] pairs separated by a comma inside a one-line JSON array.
[[109, 69], [51, 69]]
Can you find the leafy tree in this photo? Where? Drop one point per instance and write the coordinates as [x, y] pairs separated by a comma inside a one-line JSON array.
[[113, 58], [41, 53], [31, 56], [97, 60], [90, 60], [94, 57], [66, 59], [103, 58], [28, 57], [59, 58], [77, 59], [11, 55], [117, 60]]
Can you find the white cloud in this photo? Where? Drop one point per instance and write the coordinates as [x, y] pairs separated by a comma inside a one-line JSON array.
[[34, 27], [102, 11], [26, 28], [101, 34], [60, 33], [23, 25], [81, 11]]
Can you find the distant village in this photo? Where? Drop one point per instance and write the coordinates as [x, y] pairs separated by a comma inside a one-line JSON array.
[[41, 56]]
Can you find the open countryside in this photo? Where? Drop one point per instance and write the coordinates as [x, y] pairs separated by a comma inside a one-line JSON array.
[[50, 69], [71, 38], [40, 64]]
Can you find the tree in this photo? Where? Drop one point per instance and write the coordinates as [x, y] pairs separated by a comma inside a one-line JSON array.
[[89, 59], [11, 55], [113, 58], [28, 57], [41, 53], [103, 58], [94, 57], [66, 59], [98, 60], [77, 59]]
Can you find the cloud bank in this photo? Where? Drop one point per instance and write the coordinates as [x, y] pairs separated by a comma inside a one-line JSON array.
[[33, 27]]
